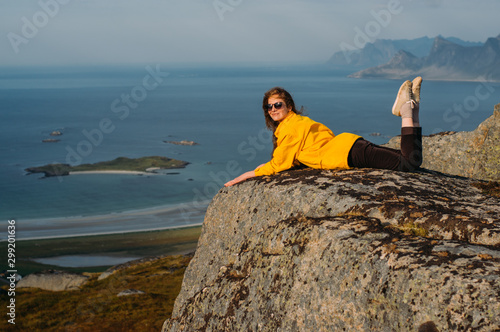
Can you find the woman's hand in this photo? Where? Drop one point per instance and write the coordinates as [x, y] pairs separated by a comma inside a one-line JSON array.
[[240, 178]]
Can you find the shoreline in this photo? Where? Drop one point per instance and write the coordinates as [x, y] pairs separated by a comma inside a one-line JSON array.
[[169, 228], [113, 172], [181, 215], [100, 251], [120, 165]]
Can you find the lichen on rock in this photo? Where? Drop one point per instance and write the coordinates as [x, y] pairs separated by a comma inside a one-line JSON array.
[[352, 250]]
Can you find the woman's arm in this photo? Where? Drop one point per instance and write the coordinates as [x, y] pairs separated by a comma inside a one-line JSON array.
[[242, 177], [284, 157]]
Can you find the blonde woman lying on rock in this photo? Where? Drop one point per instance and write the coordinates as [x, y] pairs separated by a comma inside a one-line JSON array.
[[299, 140]]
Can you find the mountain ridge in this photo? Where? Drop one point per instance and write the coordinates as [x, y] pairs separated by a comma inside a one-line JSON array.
[[446, 61], [381, 51]]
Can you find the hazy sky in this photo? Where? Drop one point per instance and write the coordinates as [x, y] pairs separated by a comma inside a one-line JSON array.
[[161, 31]]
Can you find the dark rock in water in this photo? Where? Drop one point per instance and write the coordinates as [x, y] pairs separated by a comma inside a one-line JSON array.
[[50, 170], [348, 250], [474, 154], [50, 140]]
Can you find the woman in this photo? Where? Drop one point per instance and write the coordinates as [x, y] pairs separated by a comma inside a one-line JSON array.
[[300, 140]]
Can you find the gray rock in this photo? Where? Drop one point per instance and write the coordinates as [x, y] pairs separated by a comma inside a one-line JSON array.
[[352, 250], [474, 154], [53, 280]]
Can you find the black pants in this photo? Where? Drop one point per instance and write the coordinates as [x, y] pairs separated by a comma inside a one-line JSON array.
[[365, 154]]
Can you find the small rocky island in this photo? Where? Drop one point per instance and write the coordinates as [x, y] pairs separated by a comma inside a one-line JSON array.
[[121, 164], [53, 140], [183, 142]]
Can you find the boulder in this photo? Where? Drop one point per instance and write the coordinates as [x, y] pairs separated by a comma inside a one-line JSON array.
[[53, 280], [129, 292], [474, 154], [348, 250]]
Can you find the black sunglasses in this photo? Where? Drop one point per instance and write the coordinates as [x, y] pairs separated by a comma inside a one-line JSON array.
[[277, 106]]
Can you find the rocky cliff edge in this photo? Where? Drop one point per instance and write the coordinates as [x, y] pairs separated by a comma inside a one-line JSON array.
[[349, 250]]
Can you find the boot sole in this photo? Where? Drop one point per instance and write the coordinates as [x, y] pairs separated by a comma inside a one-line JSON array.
[[404, 95], [417, 82]]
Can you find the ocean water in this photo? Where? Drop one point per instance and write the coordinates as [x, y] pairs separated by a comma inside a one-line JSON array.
[[104, 113]]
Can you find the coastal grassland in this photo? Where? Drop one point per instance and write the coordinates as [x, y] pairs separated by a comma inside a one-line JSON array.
[[96, 306], [119, 164], [150, 243]]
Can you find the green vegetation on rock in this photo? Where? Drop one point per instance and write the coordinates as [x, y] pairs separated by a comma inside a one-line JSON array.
[[413, 229]]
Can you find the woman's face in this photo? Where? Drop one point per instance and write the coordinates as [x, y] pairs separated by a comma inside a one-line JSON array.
[[277, 113]]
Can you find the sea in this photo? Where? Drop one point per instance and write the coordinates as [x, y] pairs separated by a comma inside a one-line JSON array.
[[105, 112]]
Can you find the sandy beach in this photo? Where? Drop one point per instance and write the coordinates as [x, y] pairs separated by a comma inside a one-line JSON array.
[[149, 172], [159, 218]]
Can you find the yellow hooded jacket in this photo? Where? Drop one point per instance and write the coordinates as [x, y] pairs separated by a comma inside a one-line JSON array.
[[302, 140]]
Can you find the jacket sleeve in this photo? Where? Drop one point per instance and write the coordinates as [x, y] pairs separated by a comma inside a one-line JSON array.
[[284, 156]]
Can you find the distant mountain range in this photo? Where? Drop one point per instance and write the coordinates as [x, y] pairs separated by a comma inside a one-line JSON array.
[[438, 58], [383, 50]]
